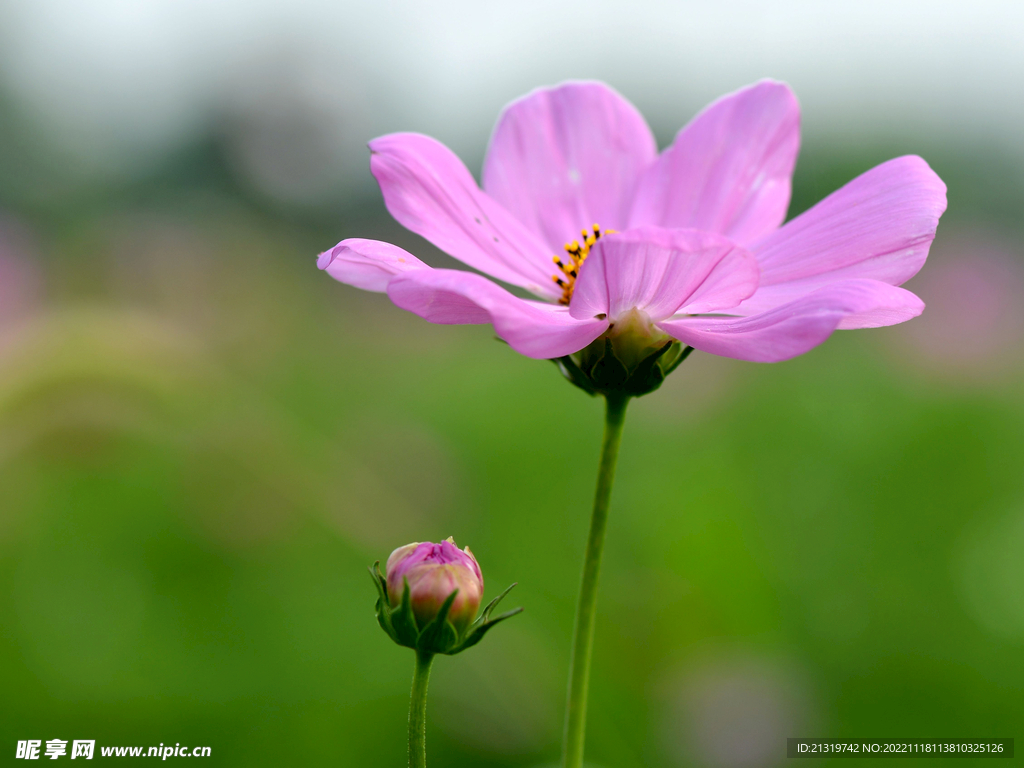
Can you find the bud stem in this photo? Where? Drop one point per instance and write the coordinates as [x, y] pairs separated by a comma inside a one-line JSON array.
[[583, 634], [418, 711]]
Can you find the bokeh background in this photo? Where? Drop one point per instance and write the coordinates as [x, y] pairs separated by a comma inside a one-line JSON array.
[[204, 441]]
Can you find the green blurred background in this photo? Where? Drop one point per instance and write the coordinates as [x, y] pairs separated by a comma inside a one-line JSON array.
[[204, 441]]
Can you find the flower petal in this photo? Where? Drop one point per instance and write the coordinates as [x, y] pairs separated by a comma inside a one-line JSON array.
[[567, 157], [429, 191], [729, 169], [367, 264], [661, 271], [532, 328], [799, 326], [879, 226]]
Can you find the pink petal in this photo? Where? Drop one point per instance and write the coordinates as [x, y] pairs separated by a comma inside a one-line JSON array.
[[879, 226], [565, 158], [532, 328], [729, 169], [795, 328], [429, 191], [660, 271], [367, 264]]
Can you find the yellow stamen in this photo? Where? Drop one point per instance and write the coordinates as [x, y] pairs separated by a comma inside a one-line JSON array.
[[570, 268]]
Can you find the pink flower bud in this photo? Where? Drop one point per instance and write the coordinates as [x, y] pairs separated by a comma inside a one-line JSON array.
[[434, 571]]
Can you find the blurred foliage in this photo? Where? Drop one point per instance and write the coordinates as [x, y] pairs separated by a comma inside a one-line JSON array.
[[204, 441]]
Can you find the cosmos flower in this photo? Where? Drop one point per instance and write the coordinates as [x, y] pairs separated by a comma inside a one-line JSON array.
[[616, 241]]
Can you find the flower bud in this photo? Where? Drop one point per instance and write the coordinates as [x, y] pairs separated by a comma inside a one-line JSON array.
[[433, 572], [430, 596]]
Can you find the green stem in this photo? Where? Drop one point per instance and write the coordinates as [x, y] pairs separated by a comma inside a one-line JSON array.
[[583, 634], [418, 711]]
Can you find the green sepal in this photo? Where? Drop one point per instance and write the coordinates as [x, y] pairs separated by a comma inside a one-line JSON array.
[[671, 365], [439, 636], [573, 374], [649, 375], [404, 621], [608, 373], [597, 370]]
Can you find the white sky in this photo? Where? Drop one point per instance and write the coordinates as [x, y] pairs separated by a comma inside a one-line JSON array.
[[117, 76]]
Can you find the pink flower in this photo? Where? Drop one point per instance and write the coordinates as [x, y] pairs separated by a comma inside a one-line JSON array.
[[433, 572], [684, 245]]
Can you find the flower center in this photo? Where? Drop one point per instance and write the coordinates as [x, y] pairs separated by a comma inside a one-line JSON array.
[[577, 254]]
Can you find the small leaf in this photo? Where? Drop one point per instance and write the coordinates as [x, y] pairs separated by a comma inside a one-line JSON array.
[[380, 577], [486, 613], [381, 606], [503, 616], [379, 583], [478, 633], [384, 620]]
